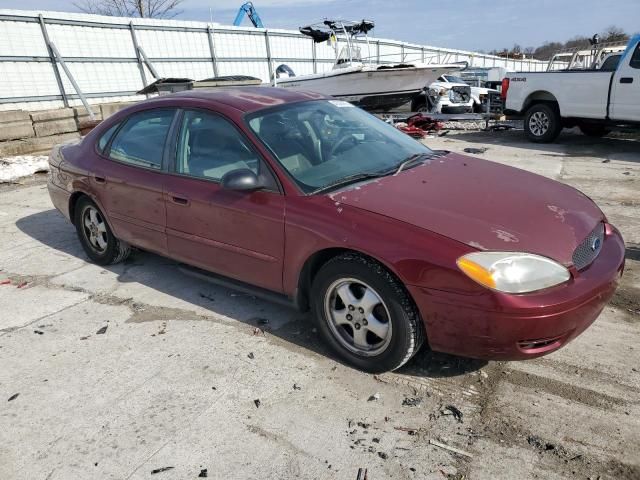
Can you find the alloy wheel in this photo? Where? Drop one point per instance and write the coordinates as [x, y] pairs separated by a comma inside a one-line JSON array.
[[95, 229], [358, 317], [539, 123]]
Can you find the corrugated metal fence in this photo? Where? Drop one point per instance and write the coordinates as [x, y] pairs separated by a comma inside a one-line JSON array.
[[109, 57]]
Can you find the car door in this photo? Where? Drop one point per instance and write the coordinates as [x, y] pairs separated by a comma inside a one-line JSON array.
[[237, 234], [625, 95], [129, 178]]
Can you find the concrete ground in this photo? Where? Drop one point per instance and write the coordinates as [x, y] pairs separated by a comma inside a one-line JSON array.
[[142, 371]]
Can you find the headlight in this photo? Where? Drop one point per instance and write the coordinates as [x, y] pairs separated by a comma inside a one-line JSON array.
[[513, 272], [435, 91]]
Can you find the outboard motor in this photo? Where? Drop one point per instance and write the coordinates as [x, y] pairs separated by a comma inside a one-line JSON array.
[[284, 71]]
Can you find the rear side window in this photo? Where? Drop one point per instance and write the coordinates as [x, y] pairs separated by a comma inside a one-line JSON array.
[[106, 136], [611, 63], [635, 59], [141, 139]]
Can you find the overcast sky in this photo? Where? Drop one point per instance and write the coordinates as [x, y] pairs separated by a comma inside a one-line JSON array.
[[464, 24]]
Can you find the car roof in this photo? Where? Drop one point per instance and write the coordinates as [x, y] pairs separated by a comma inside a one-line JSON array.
[[249, 98]]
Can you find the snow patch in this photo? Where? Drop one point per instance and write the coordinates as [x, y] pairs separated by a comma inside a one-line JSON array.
[[13, 168]]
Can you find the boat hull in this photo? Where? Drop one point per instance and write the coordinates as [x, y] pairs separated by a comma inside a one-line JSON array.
[[372, 88]]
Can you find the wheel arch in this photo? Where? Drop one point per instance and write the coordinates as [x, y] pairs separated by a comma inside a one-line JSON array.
[[316, 260], [540, 96]]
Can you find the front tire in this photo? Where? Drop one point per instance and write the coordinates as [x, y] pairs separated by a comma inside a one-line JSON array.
[[365, 315], [542, 123], [96, 237]]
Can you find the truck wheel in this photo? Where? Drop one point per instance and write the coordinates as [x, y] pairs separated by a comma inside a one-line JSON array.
[[593, 129], [542, 123]]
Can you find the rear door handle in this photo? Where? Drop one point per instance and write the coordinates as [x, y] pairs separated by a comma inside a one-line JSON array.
[[179, 200], [626, 80], [99, 179]]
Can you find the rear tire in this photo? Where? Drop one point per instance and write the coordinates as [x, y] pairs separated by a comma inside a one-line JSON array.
[[365, 314], [542, 123], [593, 130], [96, 237]]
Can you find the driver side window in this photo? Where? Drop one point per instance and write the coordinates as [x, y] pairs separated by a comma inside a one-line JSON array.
[[210, 146]]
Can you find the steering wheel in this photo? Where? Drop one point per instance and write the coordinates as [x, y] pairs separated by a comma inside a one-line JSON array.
[[339, 143]]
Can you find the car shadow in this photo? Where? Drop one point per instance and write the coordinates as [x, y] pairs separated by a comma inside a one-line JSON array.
[[568, 144], [170, 278]]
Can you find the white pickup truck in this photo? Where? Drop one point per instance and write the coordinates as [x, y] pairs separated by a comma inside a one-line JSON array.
[[595, 100]]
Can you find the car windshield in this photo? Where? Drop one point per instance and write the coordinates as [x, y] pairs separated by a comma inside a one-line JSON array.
[[326, 143]]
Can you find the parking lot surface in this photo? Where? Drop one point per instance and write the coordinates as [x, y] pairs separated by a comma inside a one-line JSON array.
[[142, 370]]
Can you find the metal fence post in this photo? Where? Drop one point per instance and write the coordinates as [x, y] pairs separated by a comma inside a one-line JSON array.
[[378, 51], [54, 63], [266, 41], [402, 53], [134, 39], [212, 50], [83, 99], [315, 56], [423, 57]]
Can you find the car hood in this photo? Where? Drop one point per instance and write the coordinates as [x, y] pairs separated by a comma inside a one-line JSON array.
[[483, 204]]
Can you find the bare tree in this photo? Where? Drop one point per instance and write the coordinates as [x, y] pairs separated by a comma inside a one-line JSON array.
[[131, 8], [614, 34]]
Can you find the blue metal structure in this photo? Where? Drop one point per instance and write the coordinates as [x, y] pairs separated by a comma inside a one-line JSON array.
[[248, 9]]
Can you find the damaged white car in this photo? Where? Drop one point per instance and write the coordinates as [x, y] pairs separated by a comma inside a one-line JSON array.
[[452, 94]]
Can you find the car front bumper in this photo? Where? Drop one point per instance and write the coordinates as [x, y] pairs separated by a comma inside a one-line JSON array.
[[517, 327]]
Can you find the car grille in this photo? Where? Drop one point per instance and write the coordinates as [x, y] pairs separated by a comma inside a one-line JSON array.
[[588, 250], [460, 94]]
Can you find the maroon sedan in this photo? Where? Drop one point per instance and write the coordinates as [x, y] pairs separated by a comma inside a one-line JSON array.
[[388, 242]]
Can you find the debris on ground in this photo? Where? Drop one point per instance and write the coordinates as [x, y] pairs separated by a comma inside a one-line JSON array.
[[207, 296], [5, 282], [22, 284], [160, 470], [13, 168], [409, 430], [297, 387], [257, 402], [13, 397], [362, 474], [102, 330], [452, 410], [258, 331], [374, 397], [203, 473], [85, 338], [449, 448], [412, 402], [383, 455], [475, 150], [251, 356], [606, 160], [39, 332], [418, 126], [500, 127], [539, 443]]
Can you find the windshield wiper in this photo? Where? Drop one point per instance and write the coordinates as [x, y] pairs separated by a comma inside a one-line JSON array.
[[348, 179], [408, 161]]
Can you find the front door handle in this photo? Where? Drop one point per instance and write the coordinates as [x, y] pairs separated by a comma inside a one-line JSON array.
[[99, 179], [179, 200], [626, 80]]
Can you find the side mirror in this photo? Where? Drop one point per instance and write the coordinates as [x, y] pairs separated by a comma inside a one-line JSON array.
[[241, 179]]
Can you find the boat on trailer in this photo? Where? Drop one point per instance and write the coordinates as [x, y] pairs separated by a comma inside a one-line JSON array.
[[358, 79]]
